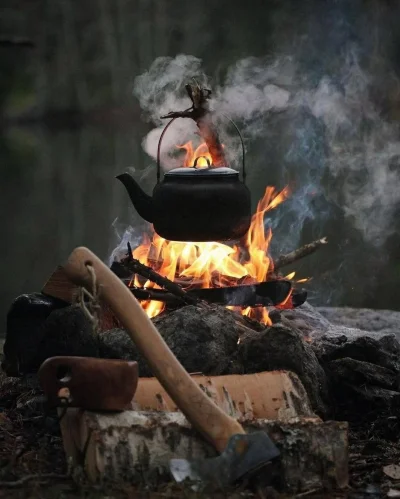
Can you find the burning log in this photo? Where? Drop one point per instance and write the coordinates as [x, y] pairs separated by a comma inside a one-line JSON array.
[[263, 294], [299, 253], [259, 295], [200, 113], [135, 267]]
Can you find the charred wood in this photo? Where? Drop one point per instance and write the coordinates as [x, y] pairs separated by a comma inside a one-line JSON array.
[[225, 296], [299, 297], [135, 267]]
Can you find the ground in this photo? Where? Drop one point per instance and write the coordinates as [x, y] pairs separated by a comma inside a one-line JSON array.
[[32, 462]]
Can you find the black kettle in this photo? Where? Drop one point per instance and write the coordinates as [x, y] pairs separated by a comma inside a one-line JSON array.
[[193, 203]]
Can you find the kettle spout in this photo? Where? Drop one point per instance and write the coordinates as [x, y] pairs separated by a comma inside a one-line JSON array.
[[142, 202]]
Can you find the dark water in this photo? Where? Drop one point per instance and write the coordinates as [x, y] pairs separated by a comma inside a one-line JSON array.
[[58, 191]]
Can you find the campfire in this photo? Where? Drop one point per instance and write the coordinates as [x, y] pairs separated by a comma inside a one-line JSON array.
[[194, 210], [217, 370], [213, 264], [205, 252]]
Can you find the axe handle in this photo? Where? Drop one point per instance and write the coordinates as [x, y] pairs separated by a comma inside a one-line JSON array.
[[200, 410]]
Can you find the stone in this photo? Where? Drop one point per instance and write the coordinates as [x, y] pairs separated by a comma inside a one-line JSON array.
[[117, 344], [362, 390], [383, 351], [376, 321], [66, 332], [24, 332], [203, 340], [279, 347], [359, 373]]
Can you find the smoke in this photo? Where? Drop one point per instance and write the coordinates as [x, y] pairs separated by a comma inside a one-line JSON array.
[[161, 90], [124, 235], [325, 130]]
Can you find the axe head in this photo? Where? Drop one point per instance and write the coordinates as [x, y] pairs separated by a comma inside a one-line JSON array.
[[244, 454]]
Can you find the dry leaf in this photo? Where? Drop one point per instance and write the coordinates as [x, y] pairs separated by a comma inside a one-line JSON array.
[[392, 471]]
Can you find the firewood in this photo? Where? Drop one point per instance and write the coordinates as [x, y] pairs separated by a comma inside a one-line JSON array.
[[314, 453], [263, 395], [299, 253], [136, 267]]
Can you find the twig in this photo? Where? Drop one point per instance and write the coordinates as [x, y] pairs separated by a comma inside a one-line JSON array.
[[299, 253], [308, 492], [28, 478], [200, 113], [134, 266], [146, 294], [130, 255]]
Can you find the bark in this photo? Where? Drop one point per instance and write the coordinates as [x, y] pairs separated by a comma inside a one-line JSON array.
[[131, 445]]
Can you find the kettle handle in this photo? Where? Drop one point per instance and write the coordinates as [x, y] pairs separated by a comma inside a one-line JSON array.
[[170, 123]]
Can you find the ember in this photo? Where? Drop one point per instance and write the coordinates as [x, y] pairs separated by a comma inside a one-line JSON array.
[[212, 264]]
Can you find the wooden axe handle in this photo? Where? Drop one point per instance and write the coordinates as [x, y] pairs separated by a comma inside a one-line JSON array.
[[204, 415]]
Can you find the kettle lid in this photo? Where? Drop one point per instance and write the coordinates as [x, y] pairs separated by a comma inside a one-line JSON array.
[[202, 172]]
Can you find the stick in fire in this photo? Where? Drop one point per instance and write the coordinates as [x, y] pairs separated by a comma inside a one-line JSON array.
[[137, 267], [200, 113], [299, 253]]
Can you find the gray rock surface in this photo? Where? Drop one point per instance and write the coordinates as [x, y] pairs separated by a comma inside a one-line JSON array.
[[376, 321], [315, 322]]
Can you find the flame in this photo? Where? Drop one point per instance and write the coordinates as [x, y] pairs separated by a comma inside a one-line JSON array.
[[201, 153], [290, 277], [213, 264]]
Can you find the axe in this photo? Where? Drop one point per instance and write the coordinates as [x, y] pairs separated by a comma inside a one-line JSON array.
[[240, 453]]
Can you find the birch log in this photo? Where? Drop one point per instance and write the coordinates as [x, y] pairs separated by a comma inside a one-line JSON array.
[[133, 446]]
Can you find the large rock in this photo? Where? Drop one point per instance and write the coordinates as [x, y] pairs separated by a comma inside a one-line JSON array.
[[359, 373], [362, 390], [67, 332], [204, 340], [117, 344], [382, 351], [356, 362], [24, 332], [279, 347]]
